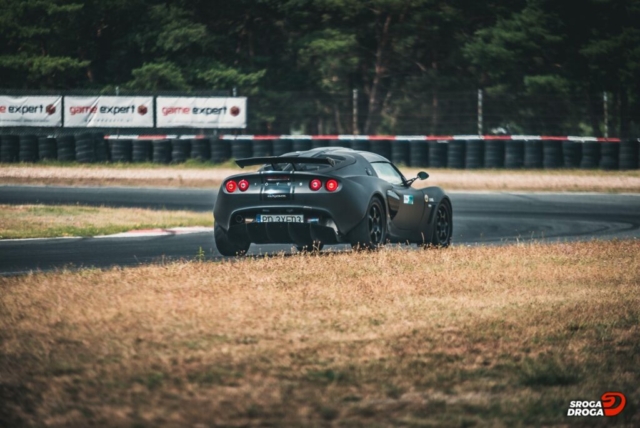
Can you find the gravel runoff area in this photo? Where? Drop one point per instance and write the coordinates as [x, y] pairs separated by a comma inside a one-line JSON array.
[[500, 180]]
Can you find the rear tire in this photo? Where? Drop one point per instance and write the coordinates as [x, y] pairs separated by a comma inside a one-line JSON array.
[[443, 227], [371, 232], [226, 246]]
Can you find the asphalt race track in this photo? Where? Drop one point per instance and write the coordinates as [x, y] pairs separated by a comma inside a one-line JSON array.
[[479, 219]]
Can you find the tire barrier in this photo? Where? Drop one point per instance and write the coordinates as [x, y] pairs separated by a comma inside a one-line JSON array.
[[220, 150], [494, 154], [474, 154], [9, 148], [609, 156], [590, 155], [121, 151], [200, 149], [551, 154], [400, 152], [571, 153], [47, 148], [382, 148], [418, 153], [28, 148], [533, 154], [262, 148], [241, 149], [437, 156], [180, 150], [316, 144], [301, 145], [141, 151], [514, 154], [66, 148], [161, 151], [362, 145], [102, 147], [90, 147], [456, 154], [281, 147], [628, 154], [85, 149]]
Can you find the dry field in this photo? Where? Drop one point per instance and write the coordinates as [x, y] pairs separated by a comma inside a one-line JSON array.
[[197, 175], [41, 221], [481, 336]]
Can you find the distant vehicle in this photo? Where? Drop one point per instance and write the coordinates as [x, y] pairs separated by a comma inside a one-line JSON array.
[[326, 196]]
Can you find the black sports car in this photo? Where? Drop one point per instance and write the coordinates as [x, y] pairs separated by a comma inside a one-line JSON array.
[[324, 196]]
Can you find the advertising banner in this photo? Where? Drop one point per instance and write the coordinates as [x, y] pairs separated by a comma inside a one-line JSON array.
[[31, 111], [173, 112], [108, 112]]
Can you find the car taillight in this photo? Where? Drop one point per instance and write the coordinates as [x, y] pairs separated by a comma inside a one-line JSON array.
[[231, 186], [315, 184], [243, 185], [331, 185]]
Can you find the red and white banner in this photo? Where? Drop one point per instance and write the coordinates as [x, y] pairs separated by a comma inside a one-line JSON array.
[[403, 138], [31, 111], [172, 112], [108, 112]]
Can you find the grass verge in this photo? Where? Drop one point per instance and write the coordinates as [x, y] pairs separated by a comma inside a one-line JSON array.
[[493, 336], [42, 221], [202, 176]]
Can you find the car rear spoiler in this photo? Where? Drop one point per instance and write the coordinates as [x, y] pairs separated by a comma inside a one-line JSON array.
[[274, 160]]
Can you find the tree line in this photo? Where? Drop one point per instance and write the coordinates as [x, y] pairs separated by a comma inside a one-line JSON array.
[[416, 65]]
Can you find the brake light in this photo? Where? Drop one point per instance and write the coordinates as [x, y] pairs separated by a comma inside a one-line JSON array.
[[331, 185], [243, 185], [231, 186], [315, 184]]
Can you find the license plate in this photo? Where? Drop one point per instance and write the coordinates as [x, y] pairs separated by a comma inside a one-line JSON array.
[[280, 218]]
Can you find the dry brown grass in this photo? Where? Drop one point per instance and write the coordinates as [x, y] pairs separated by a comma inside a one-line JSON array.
[[494, 336], [41, 221], [212, 177], [491, 336]]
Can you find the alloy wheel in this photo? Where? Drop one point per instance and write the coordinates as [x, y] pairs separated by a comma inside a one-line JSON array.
[[442, 225], [375, 225]]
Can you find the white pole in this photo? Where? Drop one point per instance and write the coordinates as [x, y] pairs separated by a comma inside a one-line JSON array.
[[355, 112]]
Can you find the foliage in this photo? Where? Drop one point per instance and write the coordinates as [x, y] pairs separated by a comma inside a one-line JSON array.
[[300, 60]]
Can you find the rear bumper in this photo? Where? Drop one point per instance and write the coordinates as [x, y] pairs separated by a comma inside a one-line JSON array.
[[284, 233]]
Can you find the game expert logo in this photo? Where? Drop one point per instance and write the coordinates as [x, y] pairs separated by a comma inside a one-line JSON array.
[[610, 404]]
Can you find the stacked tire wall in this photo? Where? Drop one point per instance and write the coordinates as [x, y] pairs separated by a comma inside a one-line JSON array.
[[92, 147], [494, 154], [514, 155], [141, 151], [121, 151], [474, 154]]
